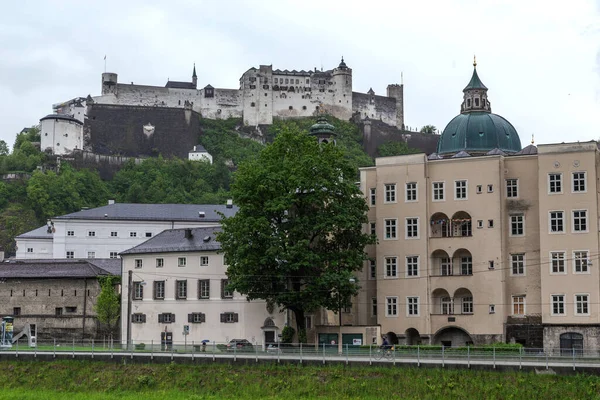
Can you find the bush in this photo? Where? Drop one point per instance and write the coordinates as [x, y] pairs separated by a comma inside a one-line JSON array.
[[140, 346], [287, 334]]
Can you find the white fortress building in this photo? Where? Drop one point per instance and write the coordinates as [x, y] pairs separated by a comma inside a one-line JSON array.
[[263, 94]]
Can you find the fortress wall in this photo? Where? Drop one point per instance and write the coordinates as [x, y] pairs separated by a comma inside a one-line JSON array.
[[375, 107]]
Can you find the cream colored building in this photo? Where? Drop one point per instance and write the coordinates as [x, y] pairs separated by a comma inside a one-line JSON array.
[[484, 241], [178, 281]]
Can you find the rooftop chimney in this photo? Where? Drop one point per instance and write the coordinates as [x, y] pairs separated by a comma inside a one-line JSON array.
[[188, 233], [229, 203]]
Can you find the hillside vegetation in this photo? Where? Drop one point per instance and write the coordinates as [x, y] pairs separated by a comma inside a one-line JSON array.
[[27, 203], [99, 380]]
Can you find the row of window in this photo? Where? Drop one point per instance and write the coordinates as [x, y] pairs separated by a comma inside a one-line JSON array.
[[581, 305], [194, 318], [58, 311], [411, 228], [36, 291], [113, 234], [91, 254], [181, 290], [181, 262], [438, 192], [289, 80], [581, 263]]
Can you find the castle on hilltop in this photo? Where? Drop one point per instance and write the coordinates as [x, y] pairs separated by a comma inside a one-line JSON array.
[[152, 117], [265, 93]]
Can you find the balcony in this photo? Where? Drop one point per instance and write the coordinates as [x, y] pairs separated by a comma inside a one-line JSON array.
[[444, 265], [460, 225]]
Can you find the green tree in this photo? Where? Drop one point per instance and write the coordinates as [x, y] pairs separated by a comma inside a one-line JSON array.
[[395, 149], [108, 304], [31, 135], [3, 148], [15, 219], [297, 238], [428, 129]]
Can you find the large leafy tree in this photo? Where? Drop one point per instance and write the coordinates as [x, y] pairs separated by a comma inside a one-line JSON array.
[[297, 238]]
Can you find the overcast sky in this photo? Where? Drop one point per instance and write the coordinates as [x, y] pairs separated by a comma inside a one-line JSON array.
[[539, 59]]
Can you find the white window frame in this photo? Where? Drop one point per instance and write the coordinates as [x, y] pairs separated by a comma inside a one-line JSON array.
[[563, 259], [520, 304], [390, 193], [558, 302], [138, 263], [70, 254], [562, 219], [113, 234], [490, 188], [585, 220], [91, 254], [447, 305], [447, 266], [373, 228], [512, 188], [113, 253], [551, 181], [391, 228], [159, 292], [91, 233], [514, 221], [203, 289], [439, 191], [412, 190], [414, 226], [160, 262], [391, 306], [203, 261], [181, 289], [464, 303], [132, 234], [515, 263], [577, 301], [30, 249], [479, 189], [412, 266], [573, 179], [70, 233], [584, 265], [413, 308], [390, 267], [138, 291], [181, 261], [479, 224], [463, 191], [372, 197], [467, 262]]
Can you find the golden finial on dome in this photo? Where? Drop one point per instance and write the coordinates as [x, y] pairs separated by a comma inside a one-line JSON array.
[[474, 61]]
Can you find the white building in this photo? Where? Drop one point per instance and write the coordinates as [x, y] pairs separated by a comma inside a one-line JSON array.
[[199, 153], [104, 232], [178, 281]]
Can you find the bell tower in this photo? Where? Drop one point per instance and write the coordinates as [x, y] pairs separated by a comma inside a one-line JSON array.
[[475, 94]]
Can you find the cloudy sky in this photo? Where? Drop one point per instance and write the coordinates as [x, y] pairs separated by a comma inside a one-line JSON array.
[[539, 59]]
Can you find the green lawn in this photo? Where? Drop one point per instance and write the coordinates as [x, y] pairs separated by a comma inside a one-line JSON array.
[[76, 380]]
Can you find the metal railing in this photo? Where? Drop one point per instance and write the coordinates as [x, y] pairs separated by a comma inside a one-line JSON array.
[[299, 352]]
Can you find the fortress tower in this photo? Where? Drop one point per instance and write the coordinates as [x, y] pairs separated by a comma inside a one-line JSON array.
[[109, 83], [342, 96], [397, 92]]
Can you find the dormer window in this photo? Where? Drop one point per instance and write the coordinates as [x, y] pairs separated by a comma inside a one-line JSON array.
[[476, 102], [468, 102]]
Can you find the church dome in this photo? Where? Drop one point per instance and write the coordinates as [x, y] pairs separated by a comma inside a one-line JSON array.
[[479, 132], [476, 129]]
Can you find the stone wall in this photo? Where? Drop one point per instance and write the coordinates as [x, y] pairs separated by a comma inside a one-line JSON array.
[[591, 336]]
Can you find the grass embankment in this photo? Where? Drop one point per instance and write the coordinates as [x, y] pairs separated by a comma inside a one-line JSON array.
[[76, 380]]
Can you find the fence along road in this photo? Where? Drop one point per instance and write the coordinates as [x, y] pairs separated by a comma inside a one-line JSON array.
[[486, 358]]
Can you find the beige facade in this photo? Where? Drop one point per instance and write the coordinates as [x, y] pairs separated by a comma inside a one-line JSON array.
[[483, 249]]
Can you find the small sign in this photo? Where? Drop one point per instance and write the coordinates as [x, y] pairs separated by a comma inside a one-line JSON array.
[[357, 342], [186, 330]]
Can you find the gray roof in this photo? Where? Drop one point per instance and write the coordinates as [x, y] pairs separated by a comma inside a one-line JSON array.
[[38, 233], [180, 85], [528, 150], [61, 116], [154, 212], [58, 268], [174, 240]]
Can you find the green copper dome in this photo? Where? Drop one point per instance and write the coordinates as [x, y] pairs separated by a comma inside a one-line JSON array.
[[322, 128], [476, 129], [478, 132]]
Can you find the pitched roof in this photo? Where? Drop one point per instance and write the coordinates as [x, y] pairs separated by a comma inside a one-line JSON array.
[[527, 150], [180, 85], [154, 212], [175, 240], [38, 233], [59, 268]]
